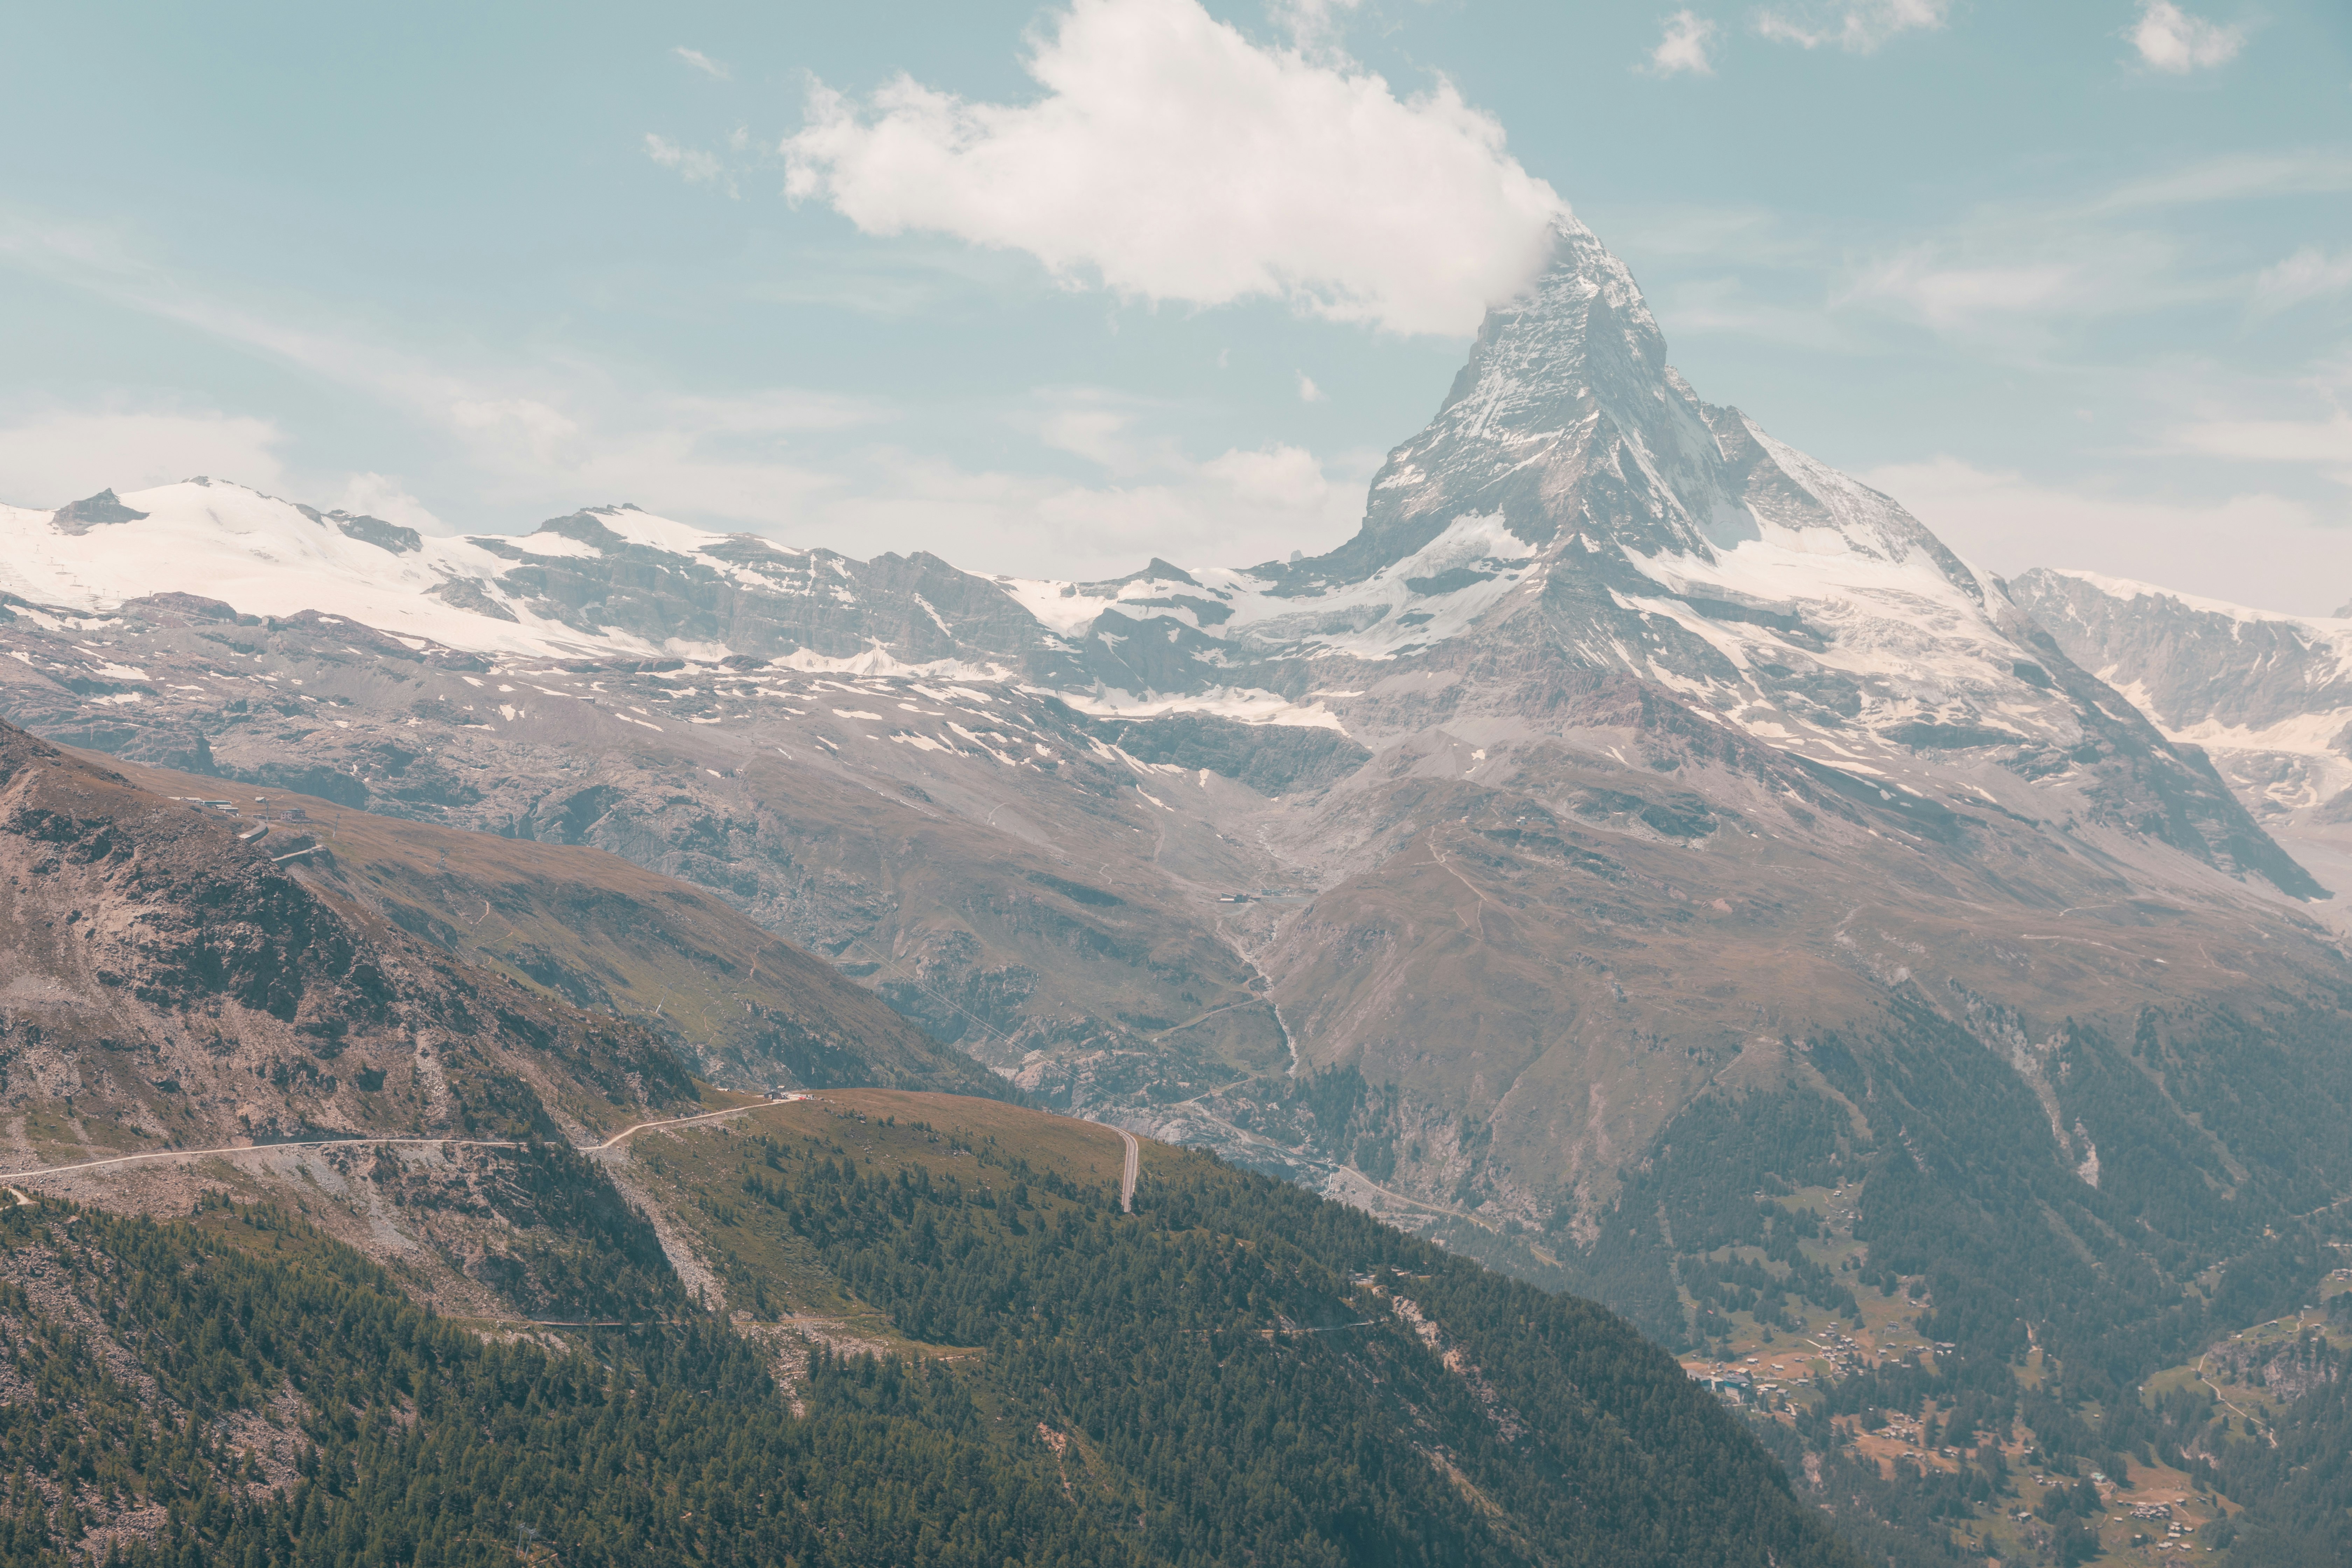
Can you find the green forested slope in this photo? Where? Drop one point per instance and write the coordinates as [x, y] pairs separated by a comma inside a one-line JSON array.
[[1236, 1373], [1245, 1361], [2030, 1304]]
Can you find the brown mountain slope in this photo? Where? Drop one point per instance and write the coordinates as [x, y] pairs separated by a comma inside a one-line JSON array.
[[609, 936], [1553, 950], [169, 982], [178, 976]]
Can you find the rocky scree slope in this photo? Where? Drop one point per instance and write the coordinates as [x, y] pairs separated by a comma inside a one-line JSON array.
[[1626, 767]]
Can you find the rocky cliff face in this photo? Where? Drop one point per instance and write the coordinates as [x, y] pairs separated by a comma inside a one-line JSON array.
[[1625, 758]]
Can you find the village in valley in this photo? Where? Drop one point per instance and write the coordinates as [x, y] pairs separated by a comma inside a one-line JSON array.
[[2151, 1515]]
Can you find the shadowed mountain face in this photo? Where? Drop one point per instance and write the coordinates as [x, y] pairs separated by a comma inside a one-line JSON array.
[[1627, 768]]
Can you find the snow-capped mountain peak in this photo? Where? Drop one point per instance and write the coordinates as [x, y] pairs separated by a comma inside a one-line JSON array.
[[1574, 506], [264, 555]]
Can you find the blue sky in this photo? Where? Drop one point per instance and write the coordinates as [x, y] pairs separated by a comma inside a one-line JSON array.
[[1053, 289]]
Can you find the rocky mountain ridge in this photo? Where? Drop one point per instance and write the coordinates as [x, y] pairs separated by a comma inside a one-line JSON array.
[[2270, 693], [2268, 696]]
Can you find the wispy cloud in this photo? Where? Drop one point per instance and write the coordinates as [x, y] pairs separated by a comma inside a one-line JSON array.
[[1313, 24], [2170, 39], [811, 467], [379, 495], [528, 430], [1241, 504], [1682, 51], [2122, 252], [2308, 274], [2012, 281], [2325, 442], [62, 454], [2222, 546], [1744, 233], [1727, 306], [2241, 177], [1310, 393], [696, 165], [99, 263], [1857, 27], [1946, 295], [1171, 159], [703, 63], [898, 281]]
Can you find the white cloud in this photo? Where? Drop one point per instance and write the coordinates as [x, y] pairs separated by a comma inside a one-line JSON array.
[[374, 495], [1171, 159], [703, 63], [62, 456], [2308, 274], [2257, 548], [1240, 507], [2170, 39], [1950, 297], [1310, 393], [699, 168], [1314, 25], [2326, 441], [1857, 27], [1684, 48], [2235, 178]]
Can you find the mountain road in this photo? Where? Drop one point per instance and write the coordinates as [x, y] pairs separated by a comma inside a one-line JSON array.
[[1128, 1173], [227, 1149]]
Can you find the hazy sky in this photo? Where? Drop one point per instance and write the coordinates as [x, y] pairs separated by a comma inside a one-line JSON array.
[[1053, 290]]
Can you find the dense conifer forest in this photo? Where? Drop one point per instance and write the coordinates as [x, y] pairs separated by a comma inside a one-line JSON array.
[[1235, 1371]]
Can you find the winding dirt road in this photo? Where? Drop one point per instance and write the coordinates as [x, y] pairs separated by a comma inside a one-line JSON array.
[[232, 1149]]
